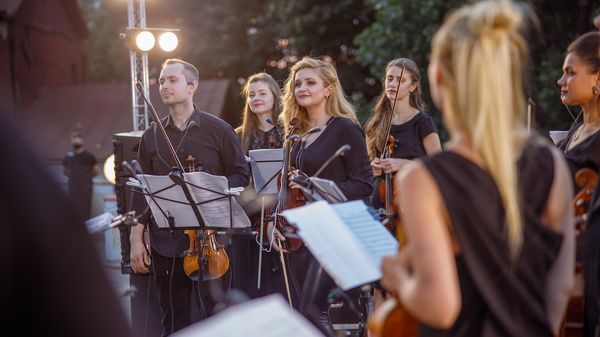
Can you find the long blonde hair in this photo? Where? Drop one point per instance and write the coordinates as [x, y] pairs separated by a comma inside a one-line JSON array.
[[337, 105], [383, 108], [481, 54], [249, 119]]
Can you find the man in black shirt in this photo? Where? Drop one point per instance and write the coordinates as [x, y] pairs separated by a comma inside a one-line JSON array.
[[80, 166], [214, 145]]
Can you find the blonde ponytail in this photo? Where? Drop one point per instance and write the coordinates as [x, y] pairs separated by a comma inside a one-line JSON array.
[[480, 52]]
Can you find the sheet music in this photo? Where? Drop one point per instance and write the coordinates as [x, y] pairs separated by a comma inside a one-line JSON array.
[[269, 316], [266, 165], [376, 239], [349, 252], [215, 213]]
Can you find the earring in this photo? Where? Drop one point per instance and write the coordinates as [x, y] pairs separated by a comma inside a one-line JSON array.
[[596, 90]]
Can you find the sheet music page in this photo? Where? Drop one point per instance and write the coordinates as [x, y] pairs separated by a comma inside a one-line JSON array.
[[214, 213], [376, 239], [268, 316], [334, 245], [266, 165]]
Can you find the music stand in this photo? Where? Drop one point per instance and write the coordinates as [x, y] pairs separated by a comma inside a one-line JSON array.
[[209, 194], [326, 190], [266, 165]]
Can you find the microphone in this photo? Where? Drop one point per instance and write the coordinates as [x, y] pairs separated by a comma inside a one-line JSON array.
[[137, 167], [105, 221], [340, 152], [270, 121]]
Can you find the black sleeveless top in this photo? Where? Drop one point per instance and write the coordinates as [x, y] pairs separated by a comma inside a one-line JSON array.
[[500, 297]]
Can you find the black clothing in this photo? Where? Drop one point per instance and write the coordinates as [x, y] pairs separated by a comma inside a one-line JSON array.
[[260, 139], [586, 155], [214, 145], [409, 136], [53, 282], [409, 144], [353, 175], [80, 185], [352, 171], [500, 296]]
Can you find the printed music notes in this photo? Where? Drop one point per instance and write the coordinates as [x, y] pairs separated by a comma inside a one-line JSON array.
[[346, 240]]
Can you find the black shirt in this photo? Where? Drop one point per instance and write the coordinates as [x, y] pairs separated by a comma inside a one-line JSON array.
[[214, 145], [499, 296], [80, 166], [351, 172], [260, 139], [409, 137], [582, 155]]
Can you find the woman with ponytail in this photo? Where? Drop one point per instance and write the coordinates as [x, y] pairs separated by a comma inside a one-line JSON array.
[[488, 221]]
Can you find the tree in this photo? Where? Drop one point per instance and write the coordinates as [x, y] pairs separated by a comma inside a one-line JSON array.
[[406, 27], [325, 30]]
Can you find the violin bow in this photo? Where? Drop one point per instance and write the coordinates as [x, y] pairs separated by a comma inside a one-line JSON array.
[[389, 125]]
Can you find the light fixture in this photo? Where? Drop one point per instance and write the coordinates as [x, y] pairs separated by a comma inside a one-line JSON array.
[[168, 41], [109, 169], [145, 40]]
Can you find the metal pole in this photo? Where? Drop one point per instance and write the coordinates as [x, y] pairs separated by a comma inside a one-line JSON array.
[[136, 15]]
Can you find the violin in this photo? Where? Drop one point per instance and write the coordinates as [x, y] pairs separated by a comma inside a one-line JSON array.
[[204, 253], [386, 190], [572, 324], [390, 319], [288, 197]]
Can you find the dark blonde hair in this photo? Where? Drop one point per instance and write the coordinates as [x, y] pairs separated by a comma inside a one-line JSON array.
[[189, 71], [382, 111], [337, 105], [480, 53], [249, 119]]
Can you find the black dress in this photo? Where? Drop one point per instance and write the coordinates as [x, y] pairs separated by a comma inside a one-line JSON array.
[[587, 155], [409, 137], [352, 173], [500, 297], [245, 250]]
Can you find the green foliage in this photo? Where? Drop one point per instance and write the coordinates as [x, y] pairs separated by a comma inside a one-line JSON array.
[[404, 28], [236, 38], [108, 59]]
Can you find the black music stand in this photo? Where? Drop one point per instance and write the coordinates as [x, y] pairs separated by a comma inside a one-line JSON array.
[[203, 201]]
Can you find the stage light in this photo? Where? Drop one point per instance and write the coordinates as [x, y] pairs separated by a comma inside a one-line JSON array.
[[109, 169], [168, 41], [145, 40]]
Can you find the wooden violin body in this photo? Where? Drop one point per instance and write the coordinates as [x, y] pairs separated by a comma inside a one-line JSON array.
[[572, 324], [204, 257], [390, 319]]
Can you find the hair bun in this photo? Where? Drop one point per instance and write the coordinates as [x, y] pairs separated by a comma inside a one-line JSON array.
[[487, 17]]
